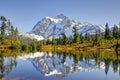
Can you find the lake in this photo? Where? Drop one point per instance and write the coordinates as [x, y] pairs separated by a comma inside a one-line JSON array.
[[59, 66]]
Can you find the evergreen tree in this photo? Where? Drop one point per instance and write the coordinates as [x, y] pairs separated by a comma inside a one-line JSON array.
[[33, 46], [87, 37], [76, 35], [9, 23], [12, 31], [59, 41], [54, 41], [64, 38], [16, 31], [119, 30], [107, 32], [44, 42], [7, 32], [3, 18], [81, 38], [16, 35], [48, 42], [70, 40], [97, 39], [115, 31], [2, 29]]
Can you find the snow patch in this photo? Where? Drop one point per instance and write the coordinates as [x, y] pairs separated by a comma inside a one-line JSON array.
[[54, 72], [53, 19], [31, 36]]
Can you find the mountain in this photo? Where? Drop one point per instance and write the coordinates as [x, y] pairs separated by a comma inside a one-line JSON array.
[[50, 27]]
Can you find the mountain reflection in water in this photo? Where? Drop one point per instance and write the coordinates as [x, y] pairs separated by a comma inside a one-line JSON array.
[[59, 65], [63, 64]]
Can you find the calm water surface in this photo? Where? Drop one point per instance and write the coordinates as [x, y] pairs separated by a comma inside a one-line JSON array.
[[57, 66]]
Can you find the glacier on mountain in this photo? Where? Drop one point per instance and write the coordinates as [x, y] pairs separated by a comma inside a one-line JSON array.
[[31, 36]]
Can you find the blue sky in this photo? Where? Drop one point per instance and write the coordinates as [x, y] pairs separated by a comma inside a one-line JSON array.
[[24, 14]]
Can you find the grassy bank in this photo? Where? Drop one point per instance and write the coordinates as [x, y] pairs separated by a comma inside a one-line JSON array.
[[105, 45]]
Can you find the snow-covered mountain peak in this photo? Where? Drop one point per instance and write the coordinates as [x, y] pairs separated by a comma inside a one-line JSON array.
[[53, 19], [50, 27], [62, 16]]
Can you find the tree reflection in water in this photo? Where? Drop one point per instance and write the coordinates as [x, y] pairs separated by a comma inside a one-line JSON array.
[[110, 58], [64, 62], [67, 62], [7, 62]]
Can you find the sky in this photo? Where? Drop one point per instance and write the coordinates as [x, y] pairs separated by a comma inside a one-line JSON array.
[[24, 14]]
